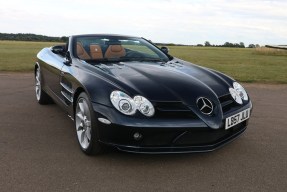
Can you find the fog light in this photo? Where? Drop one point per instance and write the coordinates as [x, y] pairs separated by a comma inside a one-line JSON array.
[[137, 136]]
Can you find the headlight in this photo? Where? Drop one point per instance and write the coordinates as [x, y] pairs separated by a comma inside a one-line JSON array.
[[241, 91], [235, 96], [123, 102], [128, 106], [238, 93], [144, 106]]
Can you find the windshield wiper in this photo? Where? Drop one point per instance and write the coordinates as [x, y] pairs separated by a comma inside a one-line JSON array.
[[154, 59], [145, 59]]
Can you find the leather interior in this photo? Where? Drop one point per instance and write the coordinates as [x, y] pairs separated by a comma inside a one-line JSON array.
[[81, 52], [115, 51], [96, 51]]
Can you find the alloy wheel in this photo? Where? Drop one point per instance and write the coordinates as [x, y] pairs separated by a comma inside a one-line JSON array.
[[83, 123]]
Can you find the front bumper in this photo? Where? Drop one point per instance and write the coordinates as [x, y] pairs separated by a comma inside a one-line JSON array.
[[163, 135], [173, 140]]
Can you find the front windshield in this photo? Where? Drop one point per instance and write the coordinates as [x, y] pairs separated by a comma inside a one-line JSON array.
[[116, 48]]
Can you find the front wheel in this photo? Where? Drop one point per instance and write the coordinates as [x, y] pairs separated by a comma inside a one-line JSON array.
[[41, 96], [87, 130]]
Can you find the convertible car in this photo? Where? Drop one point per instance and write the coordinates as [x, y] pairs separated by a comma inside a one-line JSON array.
[[127, 93]]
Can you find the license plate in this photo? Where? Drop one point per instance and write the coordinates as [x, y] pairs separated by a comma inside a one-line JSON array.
[[237, 118]]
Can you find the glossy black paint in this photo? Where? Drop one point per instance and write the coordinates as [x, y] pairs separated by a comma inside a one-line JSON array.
[[175, 81]]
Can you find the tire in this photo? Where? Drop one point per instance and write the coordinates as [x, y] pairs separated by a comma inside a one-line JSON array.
[[41, 96], [86, 126]]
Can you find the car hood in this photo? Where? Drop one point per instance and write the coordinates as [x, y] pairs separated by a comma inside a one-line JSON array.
[[172, 81]]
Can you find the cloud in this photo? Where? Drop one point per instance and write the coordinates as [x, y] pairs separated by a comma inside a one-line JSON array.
[[178, 21]]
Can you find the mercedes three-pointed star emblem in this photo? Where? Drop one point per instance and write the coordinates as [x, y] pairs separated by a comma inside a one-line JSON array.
[[205, 105]]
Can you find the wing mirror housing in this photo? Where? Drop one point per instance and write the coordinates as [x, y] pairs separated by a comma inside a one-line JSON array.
[[67, 59], [165, 50], [59, 49]]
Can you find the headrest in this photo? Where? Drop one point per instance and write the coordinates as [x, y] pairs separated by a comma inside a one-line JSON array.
[[80, 49], [116, 48], [95, 48]]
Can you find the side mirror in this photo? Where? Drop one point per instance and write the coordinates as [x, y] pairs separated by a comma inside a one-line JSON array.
[[68, 59], [59, 49], [164, 49]]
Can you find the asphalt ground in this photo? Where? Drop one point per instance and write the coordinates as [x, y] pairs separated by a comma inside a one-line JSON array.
[[39, 151]]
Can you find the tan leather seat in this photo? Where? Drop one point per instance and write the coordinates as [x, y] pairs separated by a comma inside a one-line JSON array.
[[115, 51], [96, 51], [81, 52]]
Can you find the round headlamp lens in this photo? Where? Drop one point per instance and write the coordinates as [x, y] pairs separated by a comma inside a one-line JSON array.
[[123, 102], [144, 106], [240, 90], [124, 105], [235, 96]]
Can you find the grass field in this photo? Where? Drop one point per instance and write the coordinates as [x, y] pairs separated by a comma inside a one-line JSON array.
[[19, 55], [245, 65]]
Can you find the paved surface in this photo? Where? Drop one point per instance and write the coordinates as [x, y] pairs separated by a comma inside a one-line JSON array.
[[39, 151]]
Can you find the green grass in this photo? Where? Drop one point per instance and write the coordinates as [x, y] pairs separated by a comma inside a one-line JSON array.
[[245, 65], [19, 55]]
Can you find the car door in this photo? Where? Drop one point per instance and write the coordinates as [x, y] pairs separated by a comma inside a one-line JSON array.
[[52, 71]]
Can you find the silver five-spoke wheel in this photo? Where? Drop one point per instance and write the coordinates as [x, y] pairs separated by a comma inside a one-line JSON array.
[[83, 123], [41, 96], [38, 84], [86, 126]]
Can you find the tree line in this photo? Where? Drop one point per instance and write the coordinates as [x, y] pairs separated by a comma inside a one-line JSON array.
[[31, 37], [44, 38], [228, 44], [208, 44]]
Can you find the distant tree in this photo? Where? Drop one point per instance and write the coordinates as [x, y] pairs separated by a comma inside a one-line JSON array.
[[227, 44], [207, 44], [251, 46], [64, 38], [236, 45], [257, 45], [199, 45]]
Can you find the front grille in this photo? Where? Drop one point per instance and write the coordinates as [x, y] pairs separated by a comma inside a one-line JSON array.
[[173, 110], [227, 103]]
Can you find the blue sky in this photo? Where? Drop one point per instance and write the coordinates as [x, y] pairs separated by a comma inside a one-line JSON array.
[[176, 21]]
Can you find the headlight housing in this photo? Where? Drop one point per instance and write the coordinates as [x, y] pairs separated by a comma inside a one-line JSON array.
[[241, 91], [238, 93], [128, 106], [144, 106], [123, 102]]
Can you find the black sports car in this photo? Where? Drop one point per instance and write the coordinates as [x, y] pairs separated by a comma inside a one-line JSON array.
[[125, 92]]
